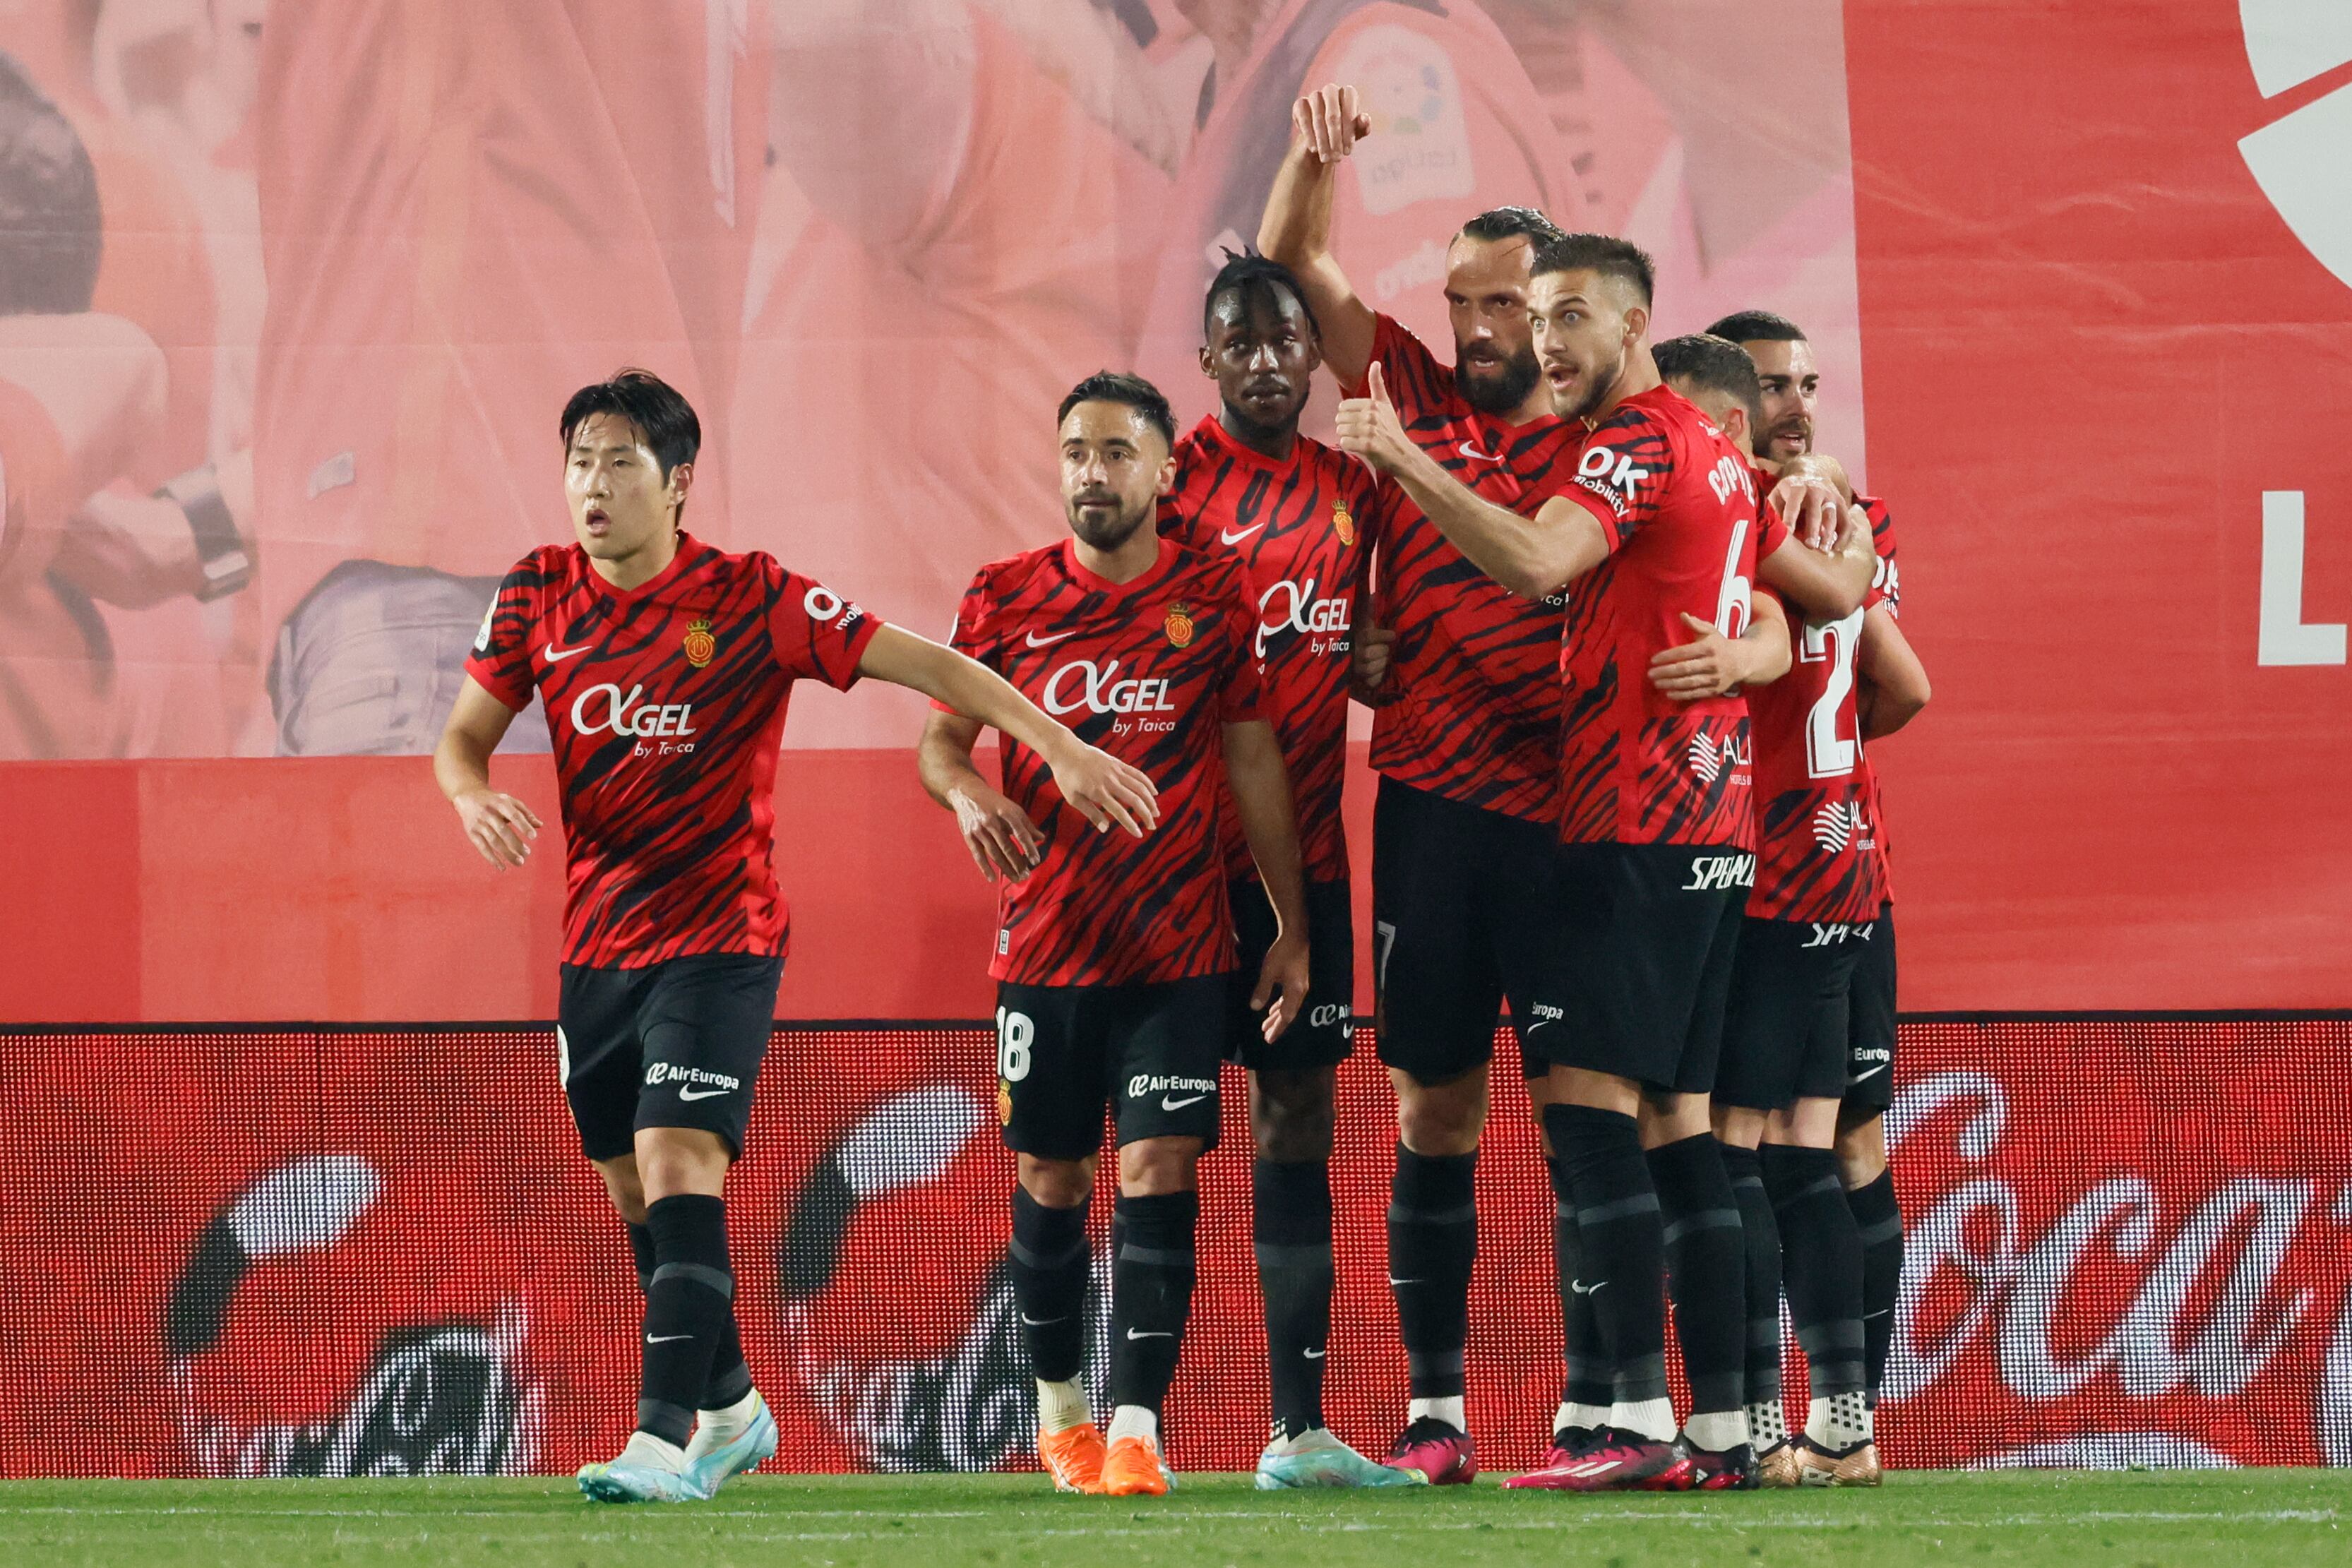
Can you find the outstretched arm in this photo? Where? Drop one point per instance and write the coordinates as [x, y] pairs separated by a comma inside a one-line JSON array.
[[1893, 682], [1098, 786], [1261, 790], [1712, 665], [1297, 228], [1003, 841], [1529, 555]]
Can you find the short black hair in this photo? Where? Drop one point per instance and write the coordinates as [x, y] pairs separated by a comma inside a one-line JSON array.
[[1757, 327], [1605, 253], [51, 226], [1250, 270], [665, 420], [1715, 365], [1118, 386], [1507, 222]]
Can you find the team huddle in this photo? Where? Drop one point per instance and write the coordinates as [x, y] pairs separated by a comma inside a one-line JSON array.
[[1625, 637]]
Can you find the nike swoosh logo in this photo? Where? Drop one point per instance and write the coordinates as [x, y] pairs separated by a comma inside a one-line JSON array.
[[1883, 1312], [1540, 1023], [1475, 455], [1042, 1322], [1859, 1078], [1581, 1289], [1168, 1104], [702, 1094], [666, 1338], [1229, 537], [1394, 1281], [1037, 641], [1164, 1333], [556, 655], [1312, 1355]]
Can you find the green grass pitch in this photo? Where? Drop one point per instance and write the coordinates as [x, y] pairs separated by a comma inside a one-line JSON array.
[[2211, 1519]]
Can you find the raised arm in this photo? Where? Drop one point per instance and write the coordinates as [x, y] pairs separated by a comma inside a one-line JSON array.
[[1829, 586], [1893, 682], [1098, 786], [1297, 228], [1529, 555], [500, 827], [1261, 790]]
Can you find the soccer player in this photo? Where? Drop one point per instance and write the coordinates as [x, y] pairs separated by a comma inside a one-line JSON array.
[[1810, 919], [665, 667], [1113, 959], [1661, 519], [1302, 518], [1891, 688], [1465, 739]]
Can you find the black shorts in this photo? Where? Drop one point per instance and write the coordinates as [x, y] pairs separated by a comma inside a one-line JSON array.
[[1870, 1022], [1462, 921], [1147, 1052], [1650, 931], [676, 1044], [1784, 1034], [1325, 1034]]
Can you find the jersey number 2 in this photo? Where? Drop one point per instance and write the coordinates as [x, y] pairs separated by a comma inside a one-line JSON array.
[[1828, 754]]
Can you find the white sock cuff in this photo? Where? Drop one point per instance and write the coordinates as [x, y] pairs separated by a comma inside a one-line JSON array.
[[1133, 1421], [1445, 1407]]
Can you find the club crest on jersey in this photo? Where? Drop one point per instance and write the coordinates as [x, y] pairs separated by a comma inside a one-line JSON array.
[[1343, 522], [700, 646], [1179, 625]]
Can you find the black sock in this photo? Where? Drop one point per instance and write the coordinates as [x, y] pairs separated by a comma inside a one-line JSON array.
[[1050, 1267], [1820, 1254], [689, 1301], [1291, 1211], [1150, 1294], [730, 1376], [1432, 1242], [1707, 1269], [1588, 1380], [1624, 1243], [1763, 1237], [1879, 1219]]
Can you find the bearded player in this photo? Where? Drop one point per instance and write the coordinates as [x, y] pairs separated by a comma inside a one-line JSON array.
[[665, 667], [1891, 688], [1302, 518], [1661, 520], [1812, 919], [1113, 959], [1465, 739]]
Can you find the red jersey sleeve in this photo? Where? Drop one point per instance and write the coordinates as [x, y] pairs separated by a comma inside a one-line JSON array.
[[1417, 384], [500, 660], [1772, 533], [1885, 579], [815, 633], [1626, 469]]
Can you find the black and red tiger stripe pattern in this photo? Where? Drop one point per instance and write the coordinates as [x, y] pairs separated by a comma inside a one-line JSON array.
[[1150, 671], [1471, 710], [1303, 528], [1685, 523], [665, 704], [1887, 588], [1816, 824]]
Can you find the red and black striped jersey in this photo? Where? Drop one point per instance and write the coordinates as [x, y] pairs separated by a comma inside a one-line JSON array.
[[1302, 528], [666, 703], [1816, 817], [1150, 671], [1471, 706], [1685, 523], [1886, 588]]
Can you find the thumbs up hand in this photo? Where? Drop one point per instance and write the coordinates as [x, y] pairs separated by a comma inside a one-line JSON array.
[[1368, 427]]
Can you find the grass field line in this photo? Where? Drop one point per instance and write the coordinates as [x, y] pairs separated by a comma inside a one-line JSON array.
[[1178, 1516]]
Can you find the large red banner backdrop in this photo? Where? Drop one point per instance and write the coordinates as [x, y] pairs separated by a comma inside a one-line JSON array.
[[379, 1253]]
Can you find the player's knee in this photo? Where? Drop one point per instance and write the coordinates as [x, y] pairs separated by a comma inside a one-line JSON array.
[[1737, 1125], [1442, 1119], [1861, 1147], [622, 1185], [1291, 1115], [1151, 1167], [673, 1161], [1057, 1184]]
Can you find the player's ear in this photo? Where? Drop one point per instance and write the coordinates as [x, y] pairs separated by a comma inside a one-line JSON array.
[[1167, 484], [1637, 324], [681, 480], [1208, 367]]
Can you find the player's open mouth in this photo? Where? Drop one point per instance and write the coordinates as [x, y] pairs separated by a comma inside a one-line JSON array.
[[595, 521], [1559, 375]]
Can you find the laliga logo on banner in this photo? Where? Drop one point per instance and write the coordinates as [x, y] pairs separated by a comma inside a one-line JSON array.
[[2299, 159], [2301, 164]]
